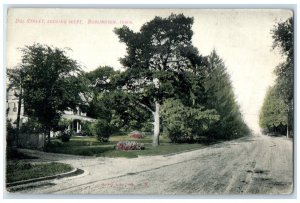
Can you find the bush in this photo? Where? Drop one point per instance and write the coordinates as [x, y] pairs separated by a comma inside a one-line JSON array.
[[66, 135], [103, 130], [136, 135], [32, 126], [63, 124], [184, 123], [88, 129], [10, 133], [129, 145]]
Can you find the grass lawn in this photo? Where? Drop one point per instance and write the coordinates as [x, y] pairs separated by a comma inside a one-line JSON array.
[[19, 170], [90, 146], [19, 167]]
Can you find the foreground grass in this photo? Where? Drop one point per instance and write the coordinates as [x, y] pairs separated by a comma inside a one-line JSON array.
[[90, 146], [19, 168]]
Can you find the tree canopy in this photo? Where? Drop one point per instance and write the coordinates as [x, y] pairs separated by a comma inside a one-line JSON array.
[[220, 96], [157, 63], [51, 84], [273, 113]]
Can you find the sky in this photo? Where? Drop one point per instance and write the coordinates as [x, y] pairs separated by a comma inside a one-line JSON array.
[[242, 38]]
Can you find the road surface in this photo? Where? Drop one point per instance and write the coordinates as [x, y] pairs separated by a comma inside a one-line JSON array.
[[250, 165]]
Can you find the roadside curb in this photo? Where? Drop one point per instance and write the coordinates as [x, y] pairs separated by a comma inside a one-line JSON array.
[[33, 180]]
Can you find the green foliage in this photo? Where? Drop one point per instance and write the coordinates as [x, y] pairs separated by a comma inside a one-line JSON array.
[[18, 170], [162, 50], [32, 126], [277, 111], [10, 133], [273, 112], [51, 83], [220, 96], [63, 124], [103, 130], [66, 135], [88, 128], [160, 58], [186, 124]]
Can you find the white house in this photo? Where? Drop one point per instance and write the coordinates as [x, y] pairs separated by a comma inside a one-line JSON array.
[[12, 101]]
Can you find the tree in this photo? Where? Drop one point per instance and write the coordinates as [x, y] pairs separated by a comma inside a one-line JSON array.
[[110, 103], [51, 84], [159, 58], [273, 112], [16, 78], [220, 96], [283, 39]]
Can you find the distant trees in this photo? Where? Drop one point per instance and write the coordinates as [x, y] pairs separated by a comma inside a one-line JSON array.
[[50, 84], [272, 117], [282, 93]]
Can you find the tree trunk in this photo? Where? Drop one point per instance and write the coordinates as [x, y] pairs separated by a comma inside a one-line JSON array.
[[49, 136], [287, 123], [18, 118], [287, 126], [155, 141]]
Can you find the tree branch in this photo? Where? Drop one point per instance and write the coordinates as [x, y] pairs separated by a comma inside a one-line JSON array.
[[146, 107]]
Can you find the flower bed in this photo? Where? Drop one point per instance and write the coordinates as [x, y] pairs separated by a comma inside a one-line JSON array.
[[129, 145], [136, 134]]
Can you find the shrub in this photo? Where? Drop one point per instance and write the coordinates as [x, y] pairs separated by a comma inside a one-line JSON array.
[[10, 133], [136, 135], [32, 126], [184, 123], [103, 130], [129, 145], [88, 129], [63, 124], [66, 135]]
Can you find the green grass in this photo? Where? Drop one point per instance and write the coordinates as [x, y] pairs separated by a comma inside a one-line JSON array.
[[90, 146], [20, 170]]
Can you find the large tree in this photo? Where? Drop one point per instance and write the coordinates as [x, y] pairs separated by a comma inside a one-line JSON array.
[[51, 84], [220, 96], [283, 39], [158, 59]]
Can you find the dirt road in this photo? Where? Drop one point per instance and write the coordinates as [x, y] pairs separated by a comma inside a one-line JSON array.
[[252, 165]]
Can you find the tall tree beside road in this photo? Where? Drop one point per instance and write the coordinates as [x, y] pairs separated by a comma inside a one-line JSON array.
[[159, 58], [283, 36], [220, 96], [51, 84]]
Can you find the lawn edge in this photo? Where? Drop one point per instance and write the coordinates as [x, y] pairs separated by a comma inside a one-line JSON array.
[[61, 175]]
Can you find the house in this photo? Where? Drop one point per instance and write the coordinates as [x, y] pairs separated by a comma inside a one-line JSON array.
[[76, 117], [12, 105]]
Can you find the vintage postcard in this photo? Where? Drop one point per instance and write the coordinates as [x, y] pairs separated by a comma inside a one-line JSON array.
[[149, 101]]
